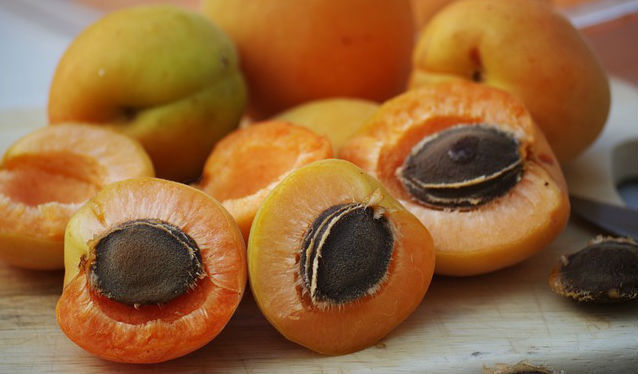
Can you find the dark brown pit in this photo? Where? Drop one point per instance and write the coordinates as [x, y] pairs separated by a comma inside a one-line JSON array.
[[145, 262], [606, 271], [345, 254], [462, 167]]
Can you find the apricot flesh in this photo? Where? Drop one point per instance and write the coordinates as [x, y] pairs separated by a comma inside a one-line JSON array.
[[319, 192], [247, 164], [47, 175], [130, 331], [520, 222]]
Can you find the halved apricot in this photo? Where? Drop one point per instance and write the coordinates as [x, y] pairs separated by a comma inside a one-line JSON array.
[[247, 164], [47, 175], [154, 270], [335, 262], [469, 162]]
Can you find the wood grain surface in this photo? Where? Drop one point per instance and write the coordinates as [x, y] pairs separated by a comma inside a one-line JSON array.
[[462, 325]]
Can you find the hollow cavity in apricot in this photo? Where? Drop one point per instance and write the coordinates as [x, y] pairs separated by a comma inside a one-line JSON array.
[[462, 167], [44, 179], [144, 262], [335, 262]]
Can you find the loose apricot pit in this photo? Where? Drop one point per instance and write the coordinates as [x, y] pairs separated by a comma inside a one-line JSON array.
[[606, 271]]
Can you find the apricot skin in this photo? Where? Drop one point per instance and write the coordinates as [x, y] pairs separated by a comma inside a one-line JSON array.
[[527, 49], [337, 118], [297, 51], [160, 74]]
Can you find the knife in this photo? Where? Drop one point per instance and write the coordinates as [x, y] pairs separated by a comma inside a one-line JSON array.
[[614, 219]]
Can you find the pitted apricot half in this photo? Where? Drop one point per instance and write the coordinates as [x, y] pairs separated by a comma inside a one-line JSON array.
[[470, 163], [335, 262], [247, 164], [47, 175], [154, 270]]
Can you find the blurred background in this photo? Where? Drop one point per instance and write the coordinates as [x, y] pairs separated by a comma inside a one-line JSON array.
[[34, 34]]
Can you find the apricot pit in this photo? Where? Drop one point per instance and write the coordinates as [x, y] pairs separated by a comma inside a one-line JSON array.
[[345, 254], [462, 167], [144, 262], [606, 271]]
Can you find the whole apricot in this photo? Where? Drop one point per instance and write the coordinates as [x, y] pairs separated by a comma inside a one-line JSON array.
[[296, 51], [528, 49], [165, 76], [336, 118]]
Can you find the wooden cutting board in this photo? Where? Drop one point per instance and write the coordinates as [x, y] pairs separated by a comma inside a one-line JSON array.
[[462, 325]]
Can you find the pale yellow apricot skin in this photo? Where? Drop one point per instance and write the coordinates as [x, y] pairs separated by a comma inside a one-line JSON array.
[[165, 76], [528, 49], [336, 118]]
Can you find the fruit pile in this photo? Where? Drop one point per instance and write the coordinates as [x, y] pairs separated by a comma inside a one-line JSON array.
[[356, 173]]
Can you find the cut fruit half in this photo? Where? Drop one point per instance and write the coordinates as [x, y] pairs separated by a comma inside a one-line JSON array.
[[470, 163], [335, 262], [247, 164], [154, 270], [47, 175]]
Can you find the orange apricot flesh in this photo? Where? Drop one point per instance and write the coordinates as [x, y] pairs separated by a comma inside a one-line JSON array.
[[47, 175], [275, 255], [122, 332], [247, 164], [488, 237]]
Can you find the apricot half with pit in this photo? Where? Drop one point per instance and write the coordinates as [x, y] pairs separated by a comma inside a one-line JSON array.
[[248, 163], [335, 262], [154, 270], [44, 179], [468, 160]]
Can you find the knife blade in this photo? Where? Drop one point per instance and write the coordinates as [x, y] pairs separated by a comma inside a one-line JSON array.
[[614, 219]]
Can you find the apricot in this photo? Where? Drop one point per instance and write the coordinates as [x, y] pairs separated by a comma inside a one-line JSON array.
[[292, 52], [335, 262], [154, 269], [248, 163], [166, 76], [470, 163], [336, 118], [528, 49], [47, 175]]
